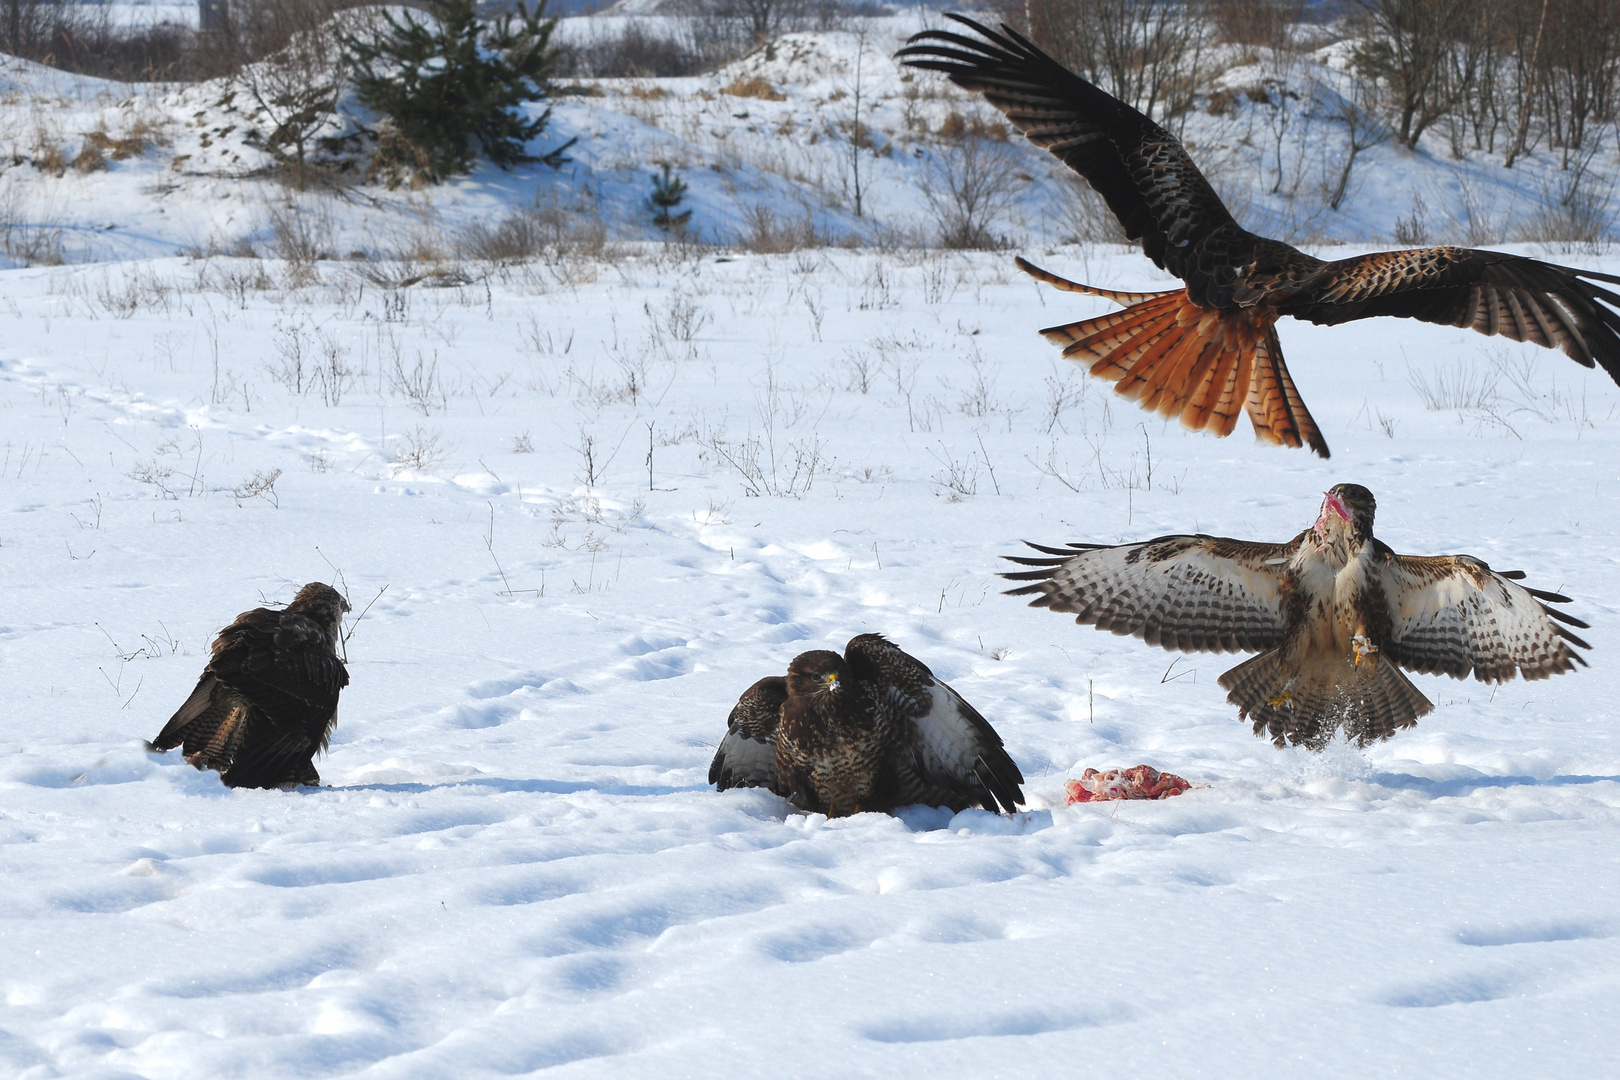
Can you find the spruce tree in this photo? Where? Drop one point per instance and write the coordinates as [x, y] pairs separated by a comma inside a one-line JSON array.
[[450, 88], [668, 192]]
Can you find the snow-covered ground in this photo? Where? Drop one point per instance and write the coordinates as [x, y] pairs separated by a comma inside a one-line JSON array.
[[518, 864], [590, 500]]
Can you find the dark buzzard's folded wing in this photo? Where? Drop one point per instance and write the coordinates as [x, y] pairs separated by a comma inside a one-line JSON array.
[[1190, 593], [1140, 169], [274, 752], [747, 755], [273, 679], [1495, 293], [1453, 614], [949, 754]]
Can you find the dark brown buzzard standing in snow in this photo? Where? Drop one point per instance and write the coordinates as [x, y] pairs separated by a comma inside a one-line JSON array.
[[267, 701], [1207, 351], [1334, 613], [869, 730]]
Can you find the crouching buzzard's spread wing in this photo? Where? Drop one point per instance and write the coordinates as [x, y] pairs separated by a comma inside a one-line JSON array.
[[747, 755], [946, 753]]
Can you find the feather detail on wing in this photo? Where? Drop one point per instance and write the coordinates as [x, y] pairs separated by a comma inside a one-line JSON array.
[[1181, 360], [1490, 291], [954, 757], [266, 702], [1453, 615], [747, 755], [1140, 169], [1191, 593]]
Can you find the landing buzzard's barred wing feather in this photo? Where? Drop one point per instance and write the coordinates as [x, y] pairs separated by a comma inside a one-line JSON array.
[[1139, 169], [1190, 593], [1452, 614], [955, 757], [747, 755], [1490, 291]]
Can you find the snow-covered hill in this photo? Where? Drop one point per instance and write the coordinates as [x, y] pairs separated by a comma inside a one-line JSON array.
[[773, 148]]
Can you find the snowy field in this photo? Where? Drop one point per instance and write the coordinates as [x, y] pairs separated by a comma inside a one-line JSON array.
[[589, 500], [517, 864]]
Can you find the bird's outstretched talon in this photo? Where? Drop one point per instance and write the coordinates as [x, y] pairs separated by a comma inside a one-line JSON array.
[[1362, 648], [1277, 701]]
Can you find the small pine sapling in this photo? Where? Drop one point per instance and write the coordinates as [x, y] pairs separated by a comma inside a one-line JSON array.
[[668, 192]]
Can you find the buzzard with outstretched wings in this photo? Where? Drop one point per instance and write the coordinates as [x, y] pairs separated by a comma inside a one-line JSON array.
[[267, 701], [1209, 351], [869, 730], [1334, 614]]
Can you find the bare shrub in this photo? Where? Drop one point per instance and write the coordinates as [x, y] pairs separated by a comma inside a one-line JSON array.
[[420, 383], [1576, 217], [970, 187], [418, 451], [261, 485], [545, 230], [769, 235], [299, 233]]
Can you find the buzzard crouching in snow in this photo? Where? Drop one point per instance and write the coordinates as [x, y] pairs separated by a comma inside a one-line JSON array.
[[1334, 613], [267, 701], [1208, 352], [869, 730]]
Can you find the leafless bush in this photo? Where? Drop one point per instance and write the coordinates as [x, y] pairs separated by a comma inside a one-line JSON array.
[[1413, 230], [766, 234], [545, 230], [261, 485], [299, 234], [420, 382], [861, 370], [157, 474], [767, 468], [958, 478], [418, 451], [970, 187], [1576, 218], [680, 317]]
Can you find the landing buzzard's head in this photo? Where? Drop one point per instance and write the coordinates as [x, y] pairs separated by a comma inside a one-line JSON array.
[[320, 602], [1348, 507], [816, 672]]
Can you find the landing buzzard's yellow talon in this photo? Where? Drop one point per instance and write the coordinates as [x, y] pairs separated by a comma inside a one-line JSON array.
[[1362, 648], [1284, 698]]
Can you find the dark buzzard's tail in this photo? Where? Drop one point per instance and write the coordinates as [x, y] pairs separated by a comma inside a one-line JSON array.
[[1307, 708], [1181, 360]]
